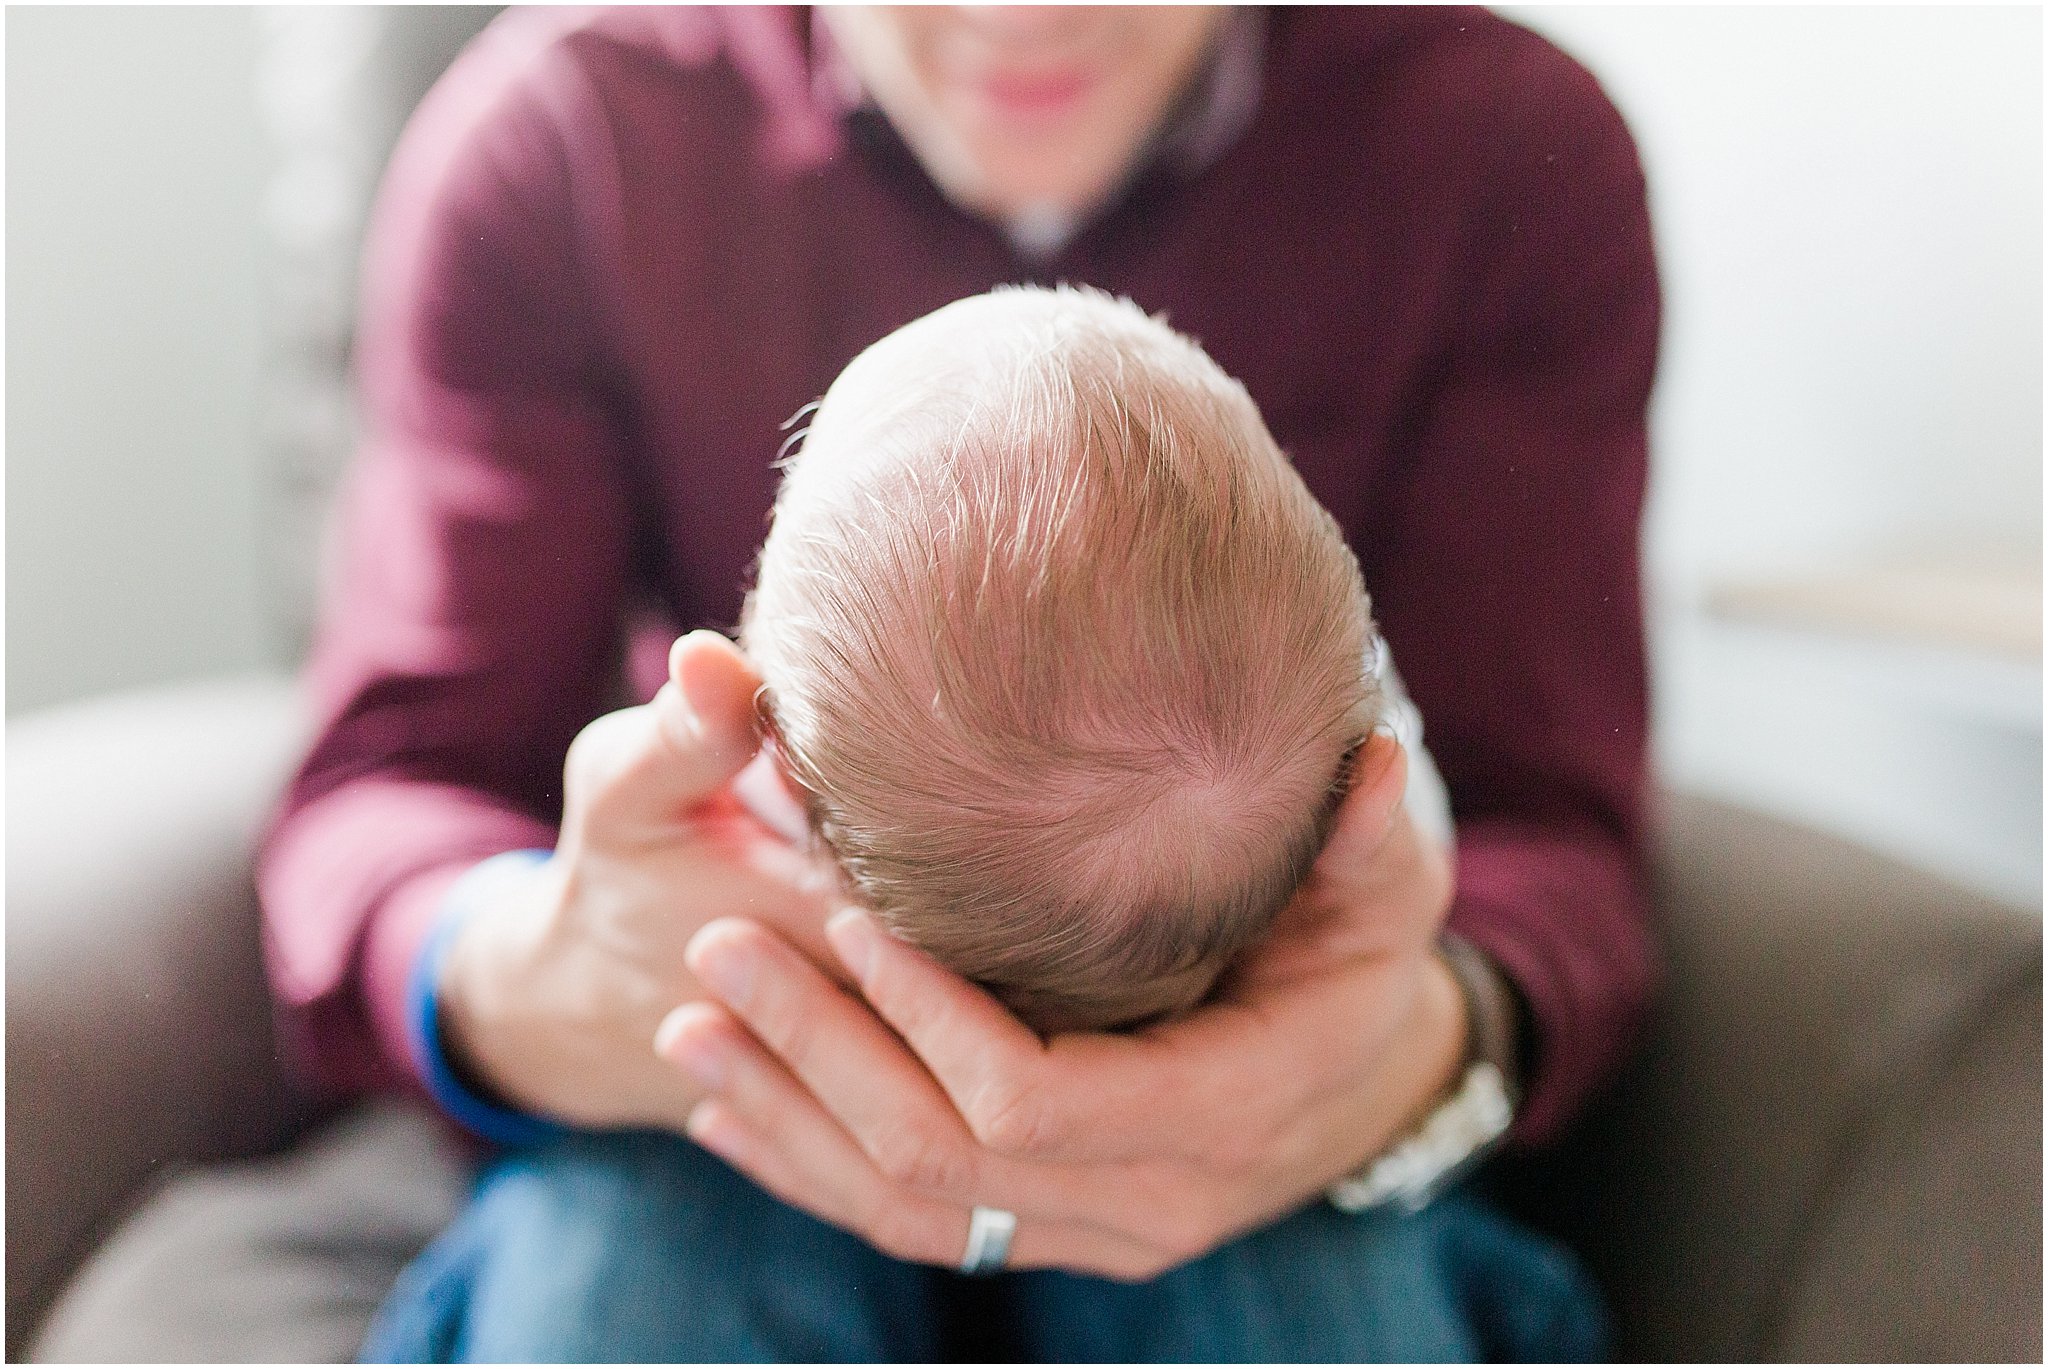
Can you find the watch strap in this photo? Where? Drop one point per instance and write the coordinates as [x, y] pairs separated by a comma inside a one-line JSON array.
[[1492, 1032], [1466, 1126]]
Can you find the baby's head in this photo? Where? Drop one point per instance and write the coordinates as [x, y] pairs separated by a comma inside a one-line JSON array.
[[1064, 658]]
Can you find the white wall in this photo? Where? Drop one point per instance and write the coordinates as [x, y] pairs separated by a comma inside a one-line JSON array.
[[1848, 205], [134, 166]]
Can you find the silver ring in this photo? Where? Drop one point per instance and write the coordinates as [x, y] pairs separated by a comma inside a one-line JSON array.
[[989, 1230]]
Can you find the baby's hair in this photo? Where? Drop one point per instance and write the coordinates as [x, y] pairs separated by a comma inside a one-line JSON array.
[[1063, 654]]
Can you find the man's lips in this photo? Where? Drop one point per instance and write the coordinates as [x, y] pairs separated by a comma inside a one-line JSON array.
[[1049, 93]]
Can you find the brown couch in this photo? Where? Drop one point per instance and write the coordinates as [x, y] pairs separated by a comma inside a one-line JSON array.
[[1829, 1148]]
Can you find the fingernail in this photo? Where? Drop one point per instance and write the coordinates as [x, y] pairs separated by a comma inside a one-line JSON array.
[[853, 940], [687, 709], [726, 969], [672, 1026], [694, 1049], [703, 1057], [687, 715]]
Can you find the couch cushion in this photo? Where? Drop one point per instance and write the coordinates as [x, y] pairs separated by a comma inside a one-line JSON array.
[[1847, 1054], [138, 1022], [283, 1259]]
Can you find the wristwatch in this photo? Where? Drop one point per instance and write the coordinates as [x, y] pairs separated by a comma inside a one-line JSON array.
[[1468, 1125]]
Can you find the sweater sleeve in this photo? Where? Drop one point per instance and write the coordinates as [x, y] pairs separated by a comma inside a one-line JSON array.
[[471, 615], [1514, 562]]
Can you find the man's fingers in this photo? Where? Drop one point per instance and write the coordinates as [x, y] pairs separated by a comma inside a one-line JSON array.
[[832, 1179], [1379, 777], [899, 1226], [971, 1044], [1374, 889], [649, 766], [1083, 1097], [764, 1124], [861, 1074], [1096, 1098]]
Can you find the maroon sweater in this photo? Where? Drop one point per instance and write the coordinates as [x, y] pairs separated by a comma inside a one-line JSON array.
[[616, 251]]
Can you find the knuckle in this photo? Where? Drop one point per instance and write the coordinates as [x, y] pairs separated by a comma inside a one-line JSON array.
[[917, 1160], [594, 743], [593, 759], [579, 771], [792, 1034], [1013, 1120]]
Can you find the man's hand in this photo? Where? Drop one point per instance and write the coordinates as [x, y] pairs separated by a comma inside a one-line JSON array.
[[1123, 1155], [551, 1001]]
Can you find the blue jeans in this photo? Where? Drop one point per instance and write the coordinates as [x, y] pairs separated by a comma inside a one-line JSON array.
[[641, 1247]]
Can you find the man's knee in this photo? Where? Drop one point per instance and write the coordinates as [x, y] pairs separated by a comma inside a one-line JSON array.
[[640, 1246], [591, 1200], [1321, 1286]]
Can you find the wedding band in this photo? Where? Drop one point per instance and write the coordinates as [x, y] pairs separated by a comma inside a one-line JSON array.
[[989, 1231]]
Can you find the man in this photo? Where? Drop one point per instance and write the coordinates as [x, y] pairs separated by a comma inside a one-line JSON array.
[[612, 254]]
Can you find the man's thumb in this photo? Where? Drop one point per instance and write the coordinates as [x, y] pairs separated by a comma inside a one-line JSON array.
[[713, 700], [654, 762]]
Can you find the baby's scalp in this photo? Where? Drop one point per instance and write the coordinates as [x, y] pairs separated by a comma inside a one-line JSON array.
[[1066, 657]]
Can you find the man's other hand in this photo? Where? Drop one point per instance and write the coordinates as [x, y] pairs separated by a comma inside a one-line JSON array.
[[895, 1111]]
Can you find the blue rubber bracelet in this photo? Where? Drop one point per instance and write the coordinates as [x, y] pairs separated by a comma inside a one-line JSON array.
[[503, 1125]]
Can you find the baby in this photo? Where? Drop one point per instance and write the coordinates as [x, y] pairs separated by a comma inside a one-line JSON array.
[[1061, 656]]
